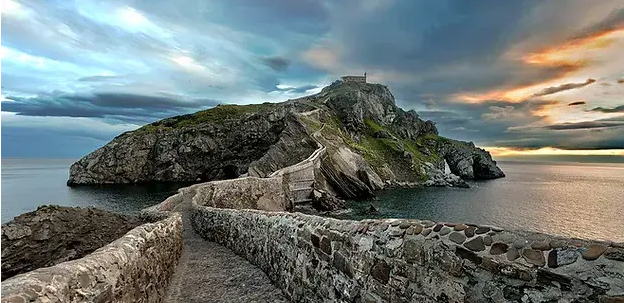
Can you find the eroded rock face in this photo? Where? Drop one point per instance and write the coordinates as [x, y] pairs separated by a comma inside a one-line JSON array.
[[207, 151], [293, 145], [469, 161], [54, 234]]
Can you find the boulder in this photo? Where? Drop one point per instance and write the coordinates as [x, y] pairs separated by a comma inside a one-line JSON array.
[[323, 201]]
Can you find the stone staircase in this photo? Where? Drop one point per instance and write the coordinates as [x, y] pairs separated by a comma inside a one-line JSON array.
[[301, 191]]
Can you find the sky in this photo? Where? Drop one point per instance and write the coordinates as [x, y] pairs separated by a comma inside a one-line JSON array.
[[515, 77]]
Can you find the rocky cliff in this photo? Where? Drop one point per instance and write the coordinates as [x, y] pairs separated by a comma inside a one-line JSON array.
[[371, 144]]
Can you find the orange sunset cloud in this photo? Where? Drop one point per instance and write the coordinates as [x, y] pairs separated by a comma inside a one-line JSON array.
[[573, 57]]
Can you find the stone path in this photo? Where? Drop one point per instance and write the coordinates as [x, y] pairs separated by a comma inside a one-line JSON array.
[[209, 272]]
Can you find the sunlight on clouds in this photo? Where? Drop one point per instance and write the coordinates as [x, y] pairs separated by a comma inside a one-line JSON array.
[[132, 18], [577, 52], [579, 59], [4, 99], [550, 151], [187, 62], [123, 17], [12, 8], [133, 21], [23, 58], [323, 57]]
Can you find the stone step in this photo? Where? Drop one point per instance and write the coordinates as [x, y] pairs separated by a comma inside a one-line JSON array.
[[303, 180], [302, 195], [301, 184], [302, 189]]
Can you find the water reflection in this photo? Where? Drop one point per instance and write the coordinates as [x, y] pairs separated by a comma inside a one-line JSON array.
[[570, 200], [28, 183], [122, 198]]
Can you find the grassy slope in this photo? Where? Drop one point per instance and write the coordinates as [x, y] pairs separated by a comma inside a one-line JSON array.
[[215, 114], [380, 152]]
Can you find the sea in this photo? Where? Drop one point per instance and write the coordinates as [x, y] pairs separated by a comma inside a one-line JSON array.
[[582, 200]]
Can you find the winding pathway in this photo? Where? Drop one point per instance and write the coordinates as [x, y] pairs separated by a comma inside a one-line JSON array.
[[209, 272]]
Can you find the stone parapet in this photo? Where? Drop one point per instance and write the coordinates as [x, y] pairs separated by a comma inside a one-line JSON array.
[[316, 259], [134, 268], [248, 192]]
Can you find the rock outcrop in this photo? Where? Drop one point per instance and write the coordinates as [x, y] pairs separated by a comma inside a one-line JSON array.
[[370, 144], [54, 234]]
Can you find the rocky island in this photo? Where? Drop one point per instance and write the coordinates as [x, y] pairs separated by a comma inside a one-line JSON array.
[[370, 143]]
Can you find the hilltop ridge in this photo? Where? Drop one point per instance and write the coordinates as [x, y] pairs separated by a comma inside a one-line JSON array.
[[371, 144]]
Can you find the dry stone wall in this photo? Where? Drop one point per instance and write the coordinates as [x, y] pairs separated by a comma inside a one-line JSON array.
[[248, 192], [134, 268], [315, 259]]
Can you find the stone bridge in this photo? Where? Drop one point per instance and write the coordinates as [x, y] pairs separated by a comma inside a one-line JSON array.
[[235, 241]]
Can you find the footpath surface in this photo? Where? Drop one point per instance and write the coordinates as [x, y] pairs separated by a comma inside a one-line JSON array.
[[209, 272]]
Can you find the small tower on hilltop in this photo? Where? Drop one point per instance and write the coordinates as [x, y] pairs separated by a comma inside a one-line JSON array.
[[354, 79]]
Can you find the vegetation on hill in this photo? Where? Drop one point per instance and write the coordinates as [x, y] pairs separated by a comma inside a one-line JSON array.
[[216, 114]]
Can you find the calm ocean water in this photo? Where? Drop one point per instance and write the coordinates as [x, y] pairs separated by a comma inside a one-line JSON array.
[[28, 183], [568, 199]]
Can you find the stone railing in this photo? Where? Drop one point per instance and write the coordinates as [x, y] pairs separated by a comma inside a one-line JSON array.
[[315, 259], [134, 268], [241, 193], [248, 192], [300, 177]]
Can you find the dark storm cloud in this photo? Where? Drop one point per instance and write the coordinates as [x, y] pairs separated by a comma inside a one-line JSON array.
[[568, 86], [597, 134], [123, 106], [438, 47], [585, 125], [577, 103], [278, 64], [444, 48], [601, 138], [617, 109]]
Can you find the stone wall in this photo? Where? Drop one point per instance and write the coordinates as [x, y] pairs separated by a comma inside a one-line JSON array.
[[315, 259], [134, 268], [248, 192]]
